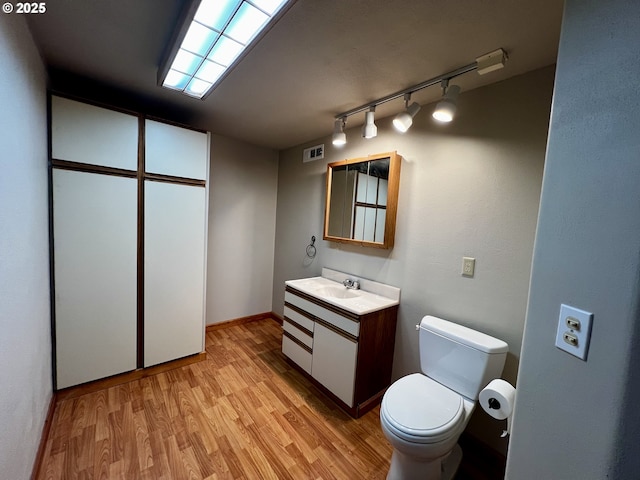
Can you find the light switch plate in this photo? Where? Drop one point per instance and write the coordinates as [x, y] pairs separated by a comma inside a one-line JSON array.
[[574, 331]]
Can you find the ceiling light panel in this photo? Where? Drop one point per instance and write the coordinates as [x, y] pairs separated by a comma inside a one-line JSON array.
[[215, 13], [218, 34], [246, 23], [225, 51]]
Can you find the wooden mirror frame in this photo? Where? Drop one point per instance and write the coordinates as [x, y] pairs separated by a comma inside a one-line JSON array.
[[393, 185]]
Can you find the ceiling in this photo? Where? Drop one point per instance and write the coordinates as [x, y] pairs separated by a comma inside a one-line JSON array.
[[323, 57]]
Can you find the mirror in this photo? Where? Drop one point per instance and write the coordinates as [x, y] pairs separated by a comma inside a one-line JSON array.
[[362, 200]]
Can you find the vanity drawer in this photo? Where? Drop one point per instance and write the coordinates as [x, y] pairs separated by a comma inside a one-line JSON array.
[[299, 318], [296, 332], [343, 323], [296, 353]]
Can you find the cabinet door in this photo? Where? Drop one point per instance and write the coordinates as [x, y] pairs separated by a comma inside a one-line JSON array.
[[94, 223], [174, 269], [334, 362], [175, 151], [89, 134]]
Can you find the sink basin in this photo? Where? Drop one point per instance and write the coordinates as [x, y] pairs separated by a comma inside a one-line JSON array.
[[371, 297], [336, 292]]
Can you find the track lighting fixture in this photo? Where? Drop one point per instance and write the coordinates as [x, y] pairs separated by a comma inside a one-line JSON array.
[[446, 108], [404, 120], [444, 112], [369, 129], [339, 137]]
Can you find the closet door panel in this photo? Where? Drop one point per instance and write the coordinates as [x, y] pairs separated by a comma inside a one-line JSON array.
[[95, 221], [94, 135], [174, 255], [175, 151]]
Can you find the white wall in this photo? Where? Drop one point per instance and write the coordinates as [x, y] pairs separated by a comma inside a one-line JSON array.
[[575, 419], [470, 188], [25, 338], [242, 208]]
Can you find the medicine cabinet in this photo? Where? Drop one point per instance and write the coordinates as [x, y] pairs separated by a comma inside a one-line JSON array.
[[362, 200]]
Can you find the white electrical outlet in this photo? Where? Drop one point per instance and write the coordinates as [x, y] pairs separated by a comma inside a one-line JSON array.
[[574, 331], [468, 266]]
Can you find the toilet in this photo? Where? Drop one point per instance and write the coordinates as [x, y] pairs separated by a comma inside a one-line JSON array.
[[423, 414]]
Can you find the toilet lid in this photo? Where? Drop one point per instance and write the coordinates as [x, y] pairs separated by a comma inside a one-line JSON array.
[[421, 410]]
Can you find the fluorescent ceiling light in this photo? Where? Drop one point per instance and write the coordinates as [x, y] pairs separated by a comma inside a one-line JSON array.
[[216, 13], [246, 23], [197, 87], [225, 51], [218, 34]]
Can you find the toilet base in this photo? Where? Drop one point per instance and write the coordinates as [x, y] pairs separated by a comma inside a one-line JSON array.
[[451, 463], [412, 468]]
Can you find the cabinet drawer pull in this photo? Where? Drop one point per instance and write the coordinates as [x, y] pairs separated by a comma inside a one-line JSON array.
[[318, 310], [297, 342], [304, 330], [335, 329]]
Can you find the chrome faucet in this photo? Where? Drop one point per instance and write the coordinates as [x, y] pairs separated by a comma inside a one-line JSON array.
[[349, 283]]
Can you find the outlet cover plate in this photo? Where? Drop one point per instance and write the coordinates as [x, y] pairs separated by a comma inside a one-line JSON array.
[[574, 331], [468, 266]]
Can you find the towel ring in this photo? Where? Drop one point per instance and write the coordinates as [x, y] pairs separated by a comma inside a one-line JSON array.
[[311, 249]]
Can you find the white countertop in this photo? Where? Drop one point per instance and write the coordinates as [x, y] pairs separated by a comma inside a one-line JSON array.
[[370, 297]]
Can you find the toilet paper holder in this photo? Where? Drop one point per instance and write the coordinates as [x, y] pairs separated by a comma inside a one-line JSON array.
[[497, 399]]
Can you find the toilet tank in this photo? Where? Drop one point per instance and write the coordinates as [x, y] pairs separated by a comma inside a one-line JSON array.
[[458, 357]]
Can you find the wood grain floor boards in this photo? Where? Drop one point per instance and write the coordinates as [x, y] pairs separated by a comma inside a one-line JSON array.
[[243, 413]]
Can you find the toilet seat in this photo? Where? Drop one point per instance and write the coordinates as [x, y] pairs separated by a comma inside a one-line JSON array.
[[420, 410]]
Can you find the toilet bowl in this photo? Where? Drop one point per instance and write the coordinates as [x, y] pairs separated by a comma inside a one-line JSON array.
[[422, 420], [423, 414]]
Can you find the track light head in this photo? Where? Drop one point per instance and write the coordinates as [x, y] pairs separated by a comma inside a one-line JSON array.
[[404, 120], [446, 108], [369, 129], [339, 137]]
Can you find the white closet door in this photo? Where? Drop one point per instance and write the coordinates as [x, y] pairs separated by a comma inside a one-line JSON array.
[[95, 239], [174, 255], [171, 150], [97, 136]]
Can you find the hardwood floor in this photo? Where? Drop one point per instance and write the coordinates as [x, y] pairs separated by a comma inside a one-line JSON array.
[[243, 413]]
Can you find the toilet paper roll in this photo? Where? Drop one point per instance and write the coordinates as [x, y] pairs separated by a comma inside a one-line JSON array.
[[497, 400]]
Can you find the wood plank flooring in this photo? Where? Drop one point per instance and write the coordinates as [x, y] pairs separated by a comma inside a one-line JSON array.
[[243, 413]]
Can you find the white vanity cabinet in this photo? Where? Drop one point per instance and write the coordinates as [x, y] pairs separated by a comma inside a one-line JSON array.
[[348, 356]]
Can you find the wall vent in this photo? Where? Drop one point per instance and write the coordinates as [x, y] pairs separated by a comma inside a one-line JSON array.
[[313, 153]]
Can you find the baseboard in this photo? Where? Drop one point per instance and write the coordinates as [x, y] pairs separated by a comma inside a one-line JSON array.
[[240, 321], [90, 387], [277, 317], [46, 428]]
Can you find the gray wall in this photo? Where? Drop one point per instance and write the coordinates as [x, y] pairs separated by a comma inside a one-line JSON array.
[[242, 208], [575, 419], [25, 341], [470, 188]]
